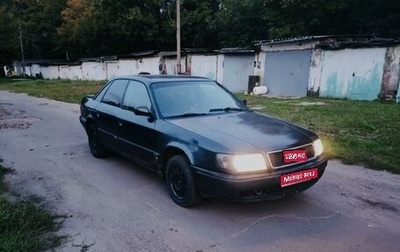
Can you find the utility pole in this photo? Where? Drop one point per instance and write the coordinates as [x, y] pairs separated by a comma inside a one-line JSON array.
[[178, 36], [22, 49]]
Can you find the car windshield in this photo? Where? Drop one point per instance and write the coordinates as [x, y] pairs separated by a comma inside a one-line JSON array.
[[194, 98]]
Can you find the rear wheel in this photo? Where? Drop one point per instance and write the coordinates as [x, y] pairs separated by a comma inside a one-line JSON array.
[[96, 147], [180, 182]]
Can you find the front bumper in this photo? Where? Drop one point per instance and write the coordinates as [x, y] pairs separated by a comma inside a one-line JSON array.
[[254, 187]]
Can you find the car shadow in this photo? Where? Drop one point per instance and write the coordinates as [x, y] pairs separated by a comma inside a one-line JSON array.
[[294, 204]]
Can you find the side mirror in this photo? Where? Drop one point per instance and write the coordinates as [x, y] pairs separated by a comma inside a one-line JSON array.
[[142, 111], [245, 102]]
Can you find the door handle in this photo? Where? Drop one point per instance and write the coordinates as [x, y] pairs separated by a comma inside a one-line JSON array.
[[120, 124]]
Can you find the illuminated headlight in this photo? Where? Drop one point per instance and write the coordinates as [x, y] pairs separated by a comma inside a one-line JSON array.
[[318, 148], [242, 162]]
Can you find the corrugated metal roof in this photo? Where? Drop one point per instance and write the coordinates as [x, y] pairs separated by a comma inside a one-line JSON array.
[[335, 41], [236, 50], [291, 39]]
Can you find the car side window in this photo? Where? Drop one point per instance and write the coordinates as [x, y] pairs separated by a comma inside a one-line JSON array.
[[115, 93], [136, 95], [99, 96]]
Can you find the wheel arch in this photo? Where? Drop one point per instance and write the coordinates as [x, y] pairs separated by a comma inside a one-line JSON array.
[[170, 151], [89, 121]]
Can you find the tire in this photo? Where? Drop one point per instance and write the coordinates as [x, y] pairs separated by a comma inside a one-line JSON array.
[[180, 182], [96, 147]]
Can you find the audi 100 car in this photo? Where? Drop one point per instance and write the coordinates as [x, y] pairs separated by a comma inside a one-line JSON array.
[[201, 139]]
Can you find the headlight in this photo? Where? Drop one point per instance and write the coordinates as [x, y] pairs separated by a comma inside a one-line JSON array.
[[242, 162], [318, 148]]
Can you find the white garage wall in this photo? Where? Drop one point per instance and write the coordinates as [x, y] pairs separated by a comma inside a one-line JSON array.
[[205, 65], [316, 66], [129, 67], [111, 69], [211, 66], [93, 71], [393, 64], [35, 70], [75, 72], [64, 72], [50, 72]]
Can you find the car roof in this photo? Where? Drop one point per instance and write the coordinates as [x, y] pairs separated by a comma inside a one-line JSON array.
[[149, 78]]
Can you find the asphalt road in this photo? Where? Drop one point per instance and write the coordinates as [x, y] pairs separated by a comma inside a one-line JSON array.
[[113, 205]]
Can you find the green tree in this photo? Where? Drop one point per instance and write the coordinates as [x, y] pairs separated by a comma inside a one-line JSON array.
[[378, 17], [332, 17], [79, 28], [91, 28], [241, 22], [38, 20], [300, 18], [103, 27], [199, 26], [9, 47]]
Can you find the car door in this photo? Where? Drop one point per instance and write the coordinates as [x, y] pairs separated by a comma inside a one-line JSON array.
[[136, 132], [106, 113]]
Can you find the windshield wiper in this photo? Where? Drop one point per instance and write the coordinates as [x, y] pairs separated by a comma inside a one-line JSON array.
[[227, 109], [188, 115]]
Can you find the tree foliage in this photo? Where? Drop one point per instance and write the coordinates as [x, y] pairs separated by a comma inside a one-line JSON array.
[[38, 20], [111, 27], [241, 22], [199, 23], [91, 28], [9, 47], [332, 17]]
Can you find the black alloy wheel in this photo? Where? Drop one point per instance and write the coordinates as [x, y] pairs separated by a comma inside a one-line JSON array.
[[96, 147], [180, 182]]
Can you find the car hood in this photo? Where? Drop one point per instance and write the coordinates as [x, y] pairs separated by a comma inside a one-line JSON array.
[[246, 131]]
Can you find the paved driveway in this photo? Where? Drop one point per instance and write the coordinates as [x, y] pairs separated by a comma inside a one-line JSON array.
[[114, 205]]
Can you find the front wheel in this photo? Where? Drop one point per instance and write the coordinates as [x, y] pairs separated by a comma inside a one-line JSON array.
[[96, 147], [180, 182]]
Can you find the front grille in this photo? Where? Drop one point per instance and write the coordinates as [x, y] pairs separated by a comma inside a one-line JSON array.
[[276, 157]]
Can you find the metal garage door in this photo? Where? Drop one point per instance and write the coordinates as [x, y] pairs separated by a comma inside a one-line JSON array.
[[237, 69], [287, 73]]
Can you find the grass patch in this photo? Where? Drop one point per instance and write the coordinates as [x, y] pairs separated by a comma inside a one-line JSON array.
[[354, 131], [3, 171], [24, 226], [60, 90]]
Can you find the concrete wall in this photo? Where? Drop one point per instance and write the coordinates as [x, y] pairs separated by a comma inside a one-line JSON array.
[[391, 72], [361, 74], [398, 95], [259, 69], [135, 66], [93, 71], [316, 67], [50, 72], [204, 65], [35, 70], [220, 68], [210, 66]]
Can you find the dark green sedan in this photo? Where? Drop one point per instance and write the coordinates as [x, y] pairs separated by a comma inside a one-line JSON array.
[[201, 139]]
